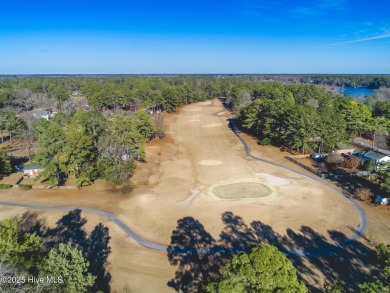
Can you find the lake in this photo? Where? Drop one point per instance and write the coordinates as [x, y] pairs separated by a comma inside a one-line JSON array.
[[358, 91]]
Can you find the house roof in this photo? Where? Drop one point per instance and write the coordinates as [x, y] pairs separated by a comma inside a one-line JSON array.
[[41, 113], [28, 168], [374, 155]]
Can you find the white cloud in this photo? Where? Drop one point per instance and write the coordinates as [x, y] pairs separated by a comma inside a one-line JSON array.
[[359, 40]]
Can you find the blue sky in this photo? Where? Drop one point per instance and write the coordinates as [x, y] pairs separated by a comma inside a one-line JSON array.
[[231, 36]]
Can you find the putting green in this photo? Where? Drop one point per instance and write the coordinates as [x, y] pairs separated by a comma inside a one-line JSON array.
[[242, 190]]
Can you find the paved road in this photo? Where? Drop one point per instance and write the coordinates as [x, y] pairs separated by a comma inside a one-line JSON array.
[[369, 145], [308, 252], [108, 215]]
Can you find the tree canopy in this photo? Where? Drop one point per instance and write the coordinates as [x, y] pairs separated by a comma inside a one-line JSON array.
[[16, 246], [264, 269], [5, 164], [70, 264]]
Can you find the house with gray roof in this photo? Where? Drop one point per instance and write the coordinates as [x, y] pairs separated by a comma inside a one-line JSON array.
[[31, 171], [376, 157]]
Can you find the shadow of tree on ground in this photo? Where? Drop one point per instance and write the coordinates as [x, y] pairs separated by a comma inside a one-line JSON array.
[[70, 229], [200, 258], [188, 242]]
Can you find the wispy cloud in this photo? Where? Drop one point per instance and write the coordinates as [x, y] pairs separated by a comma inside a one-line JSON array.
[[318, 8], [359, 40]]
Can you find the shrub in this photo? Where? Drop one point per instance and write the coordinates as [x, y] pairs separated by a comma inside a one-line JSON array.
[[364, 194], [25, 186], [266, 141], [352, 163], [369, 165], [322, 167], [334, 159], [5, 186]]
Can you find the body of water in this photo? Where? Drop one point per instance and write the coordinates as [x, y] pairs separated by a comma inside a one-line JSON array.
[[358, 91]]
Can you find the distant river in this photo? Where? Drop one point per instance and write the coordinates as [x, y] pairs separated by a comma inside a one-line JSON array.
[[358, 91]]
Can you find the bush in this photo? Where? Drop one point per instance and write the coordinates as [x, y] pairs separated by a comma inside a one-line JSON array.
[[322, 167], [364, 194], [25, 186], [5, 186], [334, 159], [352, 163], [266, 141], [369, 165]]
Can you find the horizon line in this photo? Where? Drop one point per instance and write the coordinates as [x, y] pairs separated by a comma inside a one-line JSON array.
[[144, 74]]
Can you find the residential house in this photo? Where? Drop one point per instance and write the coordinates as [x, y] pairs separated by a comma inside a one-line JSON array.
[[31, 171], [376, 157], [44, 114]]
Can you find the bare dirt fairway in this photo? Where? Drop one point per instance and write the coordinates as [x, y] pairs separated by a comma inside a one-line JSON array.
[[199, 154]]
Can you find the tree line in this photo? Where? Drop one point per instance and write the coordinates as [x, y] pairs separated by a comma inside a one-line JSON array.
[[87, 145], [305, 118]]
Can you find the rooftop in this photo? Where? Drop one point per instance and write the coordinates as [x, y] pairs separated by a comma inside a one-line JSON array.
[[371, 155], [27, 168]]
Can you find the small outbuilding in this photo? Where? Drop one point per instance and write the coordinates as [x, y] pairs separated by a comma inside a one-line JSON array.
[[345, 151], [382, 200]]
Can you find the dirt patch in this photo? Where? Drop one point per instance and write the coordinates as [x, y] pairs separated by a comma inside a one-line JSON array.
[[242, 190], [147, 173], [194, 109], [213, 125], [274, 179], [210, 162], [12, 179]]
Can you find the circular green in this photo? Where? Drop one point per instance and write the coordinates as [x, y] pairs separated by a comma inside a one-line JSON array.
[[242, 190]]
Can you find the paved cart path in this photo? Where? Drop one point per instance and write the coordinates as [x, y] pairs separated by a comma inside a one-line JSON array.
[[307, 252]]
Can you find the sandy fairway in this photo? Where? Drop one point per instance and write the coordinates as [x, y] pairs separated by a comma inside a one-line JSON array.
[[199, 153], [200, 157]]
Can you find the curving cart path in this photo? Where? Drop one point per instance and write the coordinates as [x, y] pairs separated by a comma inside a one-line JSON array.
[[308, 252]]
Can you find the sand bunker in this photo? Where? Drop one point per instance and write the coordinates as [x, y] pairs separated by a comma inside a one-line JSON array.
[[194, 120], [274, 179], [212, 125], [242, 190], [210, 163]]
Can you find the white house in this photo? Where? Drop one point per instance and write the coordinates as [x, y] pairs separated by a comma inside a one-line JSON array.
[[44, 114], [31, 171]]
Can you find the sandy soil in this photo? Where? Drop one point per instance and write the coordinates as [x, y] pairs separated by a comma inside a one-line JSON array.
[[199, 153], [12, 179]]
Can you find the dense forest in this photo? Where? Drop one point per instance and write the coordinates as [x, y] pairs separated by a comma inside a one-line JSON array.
[[96, 127], [306, 118]]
